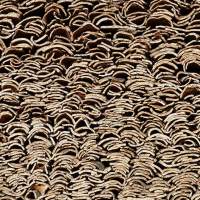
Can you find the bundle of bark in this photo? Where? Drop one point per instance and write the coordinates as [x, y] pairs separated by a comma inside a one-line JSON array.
[[99, 99]]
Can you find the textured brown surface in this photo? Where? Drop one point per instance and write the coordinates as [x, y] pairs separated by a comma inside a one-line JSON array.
[[99, 99]]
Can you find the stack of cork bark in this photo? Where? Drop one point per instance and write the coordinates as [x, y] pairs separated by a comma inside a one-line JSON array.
[[99, 99]]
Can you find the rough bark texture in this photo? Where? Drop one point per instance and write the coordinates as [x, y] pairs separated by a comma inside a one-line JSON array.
[[99, 99]]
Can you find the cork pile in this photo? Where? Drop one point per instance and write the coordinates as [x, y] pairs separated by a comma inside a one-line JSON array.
[[99, 99]]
